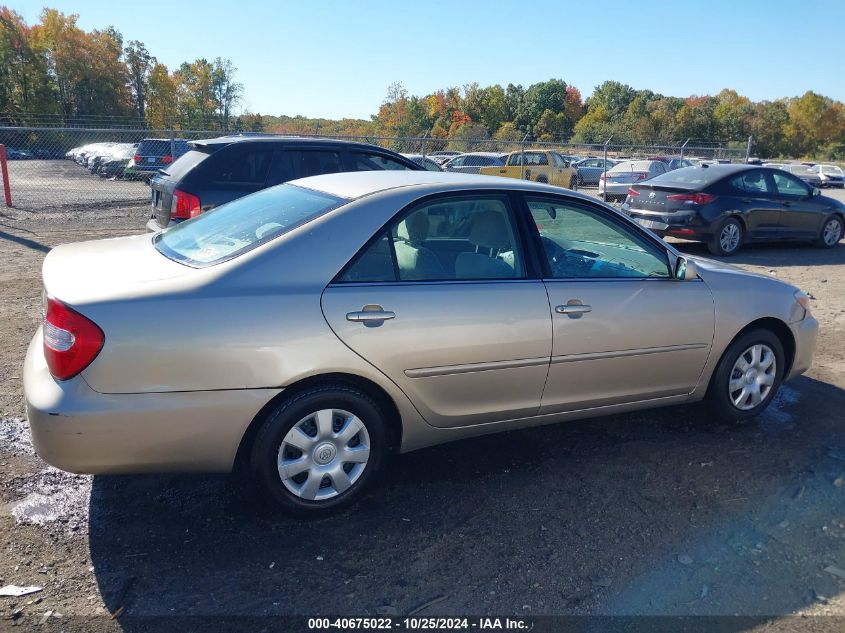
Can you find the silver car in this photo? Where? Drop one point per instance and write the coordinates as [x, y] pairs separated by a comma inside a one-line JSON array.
[[330, 321], [615, 182], [472, 162]]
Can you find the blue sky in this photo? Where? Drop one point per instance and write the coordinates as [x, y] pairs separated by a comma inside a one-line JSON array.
[[336, 59]]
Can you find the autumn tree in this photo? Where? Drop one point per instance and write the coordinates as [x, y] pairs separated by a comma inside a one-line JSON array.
[[139, 64]]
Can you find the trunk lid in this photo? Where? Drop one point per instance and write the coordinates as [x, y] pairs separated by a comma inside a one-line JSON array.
[[656, 198], [105, 270]]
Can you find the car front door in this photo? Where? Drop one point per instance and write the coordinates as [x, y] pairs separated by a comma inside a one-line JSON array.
[[443, 302], [802, 214], [624, 330]]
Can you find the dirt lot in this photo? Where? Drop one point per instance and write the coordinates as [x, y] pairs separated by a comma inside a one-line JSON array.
[[661, 512]]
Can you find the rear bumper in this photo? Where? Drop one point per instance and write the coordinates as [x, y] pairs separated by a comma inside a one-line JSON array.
[[684, 224], [805, 333], [77, 429]]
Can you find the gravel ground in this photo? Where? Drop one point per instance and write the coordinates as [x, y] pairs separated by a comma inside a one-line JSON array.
[[662, 512]]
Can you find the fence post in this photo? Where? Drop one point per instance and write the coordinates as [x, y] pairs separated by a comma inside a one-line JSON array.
[[604, 193], [683, 147], [173, 144], [7, 189], [748, 149], [422, 147], [522, 159]]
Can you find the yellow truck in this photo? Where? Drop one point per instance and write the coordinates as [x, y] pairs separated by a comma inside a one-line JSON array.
[[540, 166]]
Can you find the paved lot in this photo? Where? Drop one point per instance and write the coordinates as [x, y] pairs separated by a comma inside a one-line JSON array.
[[659, 512]]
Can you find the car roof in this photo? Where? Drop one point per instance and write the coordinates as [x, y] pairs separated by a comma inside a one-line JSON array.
[[352, 185], [228, 140], [488, 154]]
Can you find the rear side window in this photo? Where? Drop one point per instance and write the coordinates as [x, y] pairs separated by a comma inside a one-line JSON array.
[[241, 165], [185, 163], [362, 161], [243, 224], [304, 163], [754, 182]]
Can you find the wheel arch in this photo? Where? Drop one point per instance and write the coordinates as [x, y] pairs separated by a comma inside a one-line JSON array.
[[393, 417], [775, 326]]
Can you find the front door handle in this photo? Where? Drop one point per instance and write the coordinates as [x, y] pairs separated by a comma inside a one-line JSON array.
[[786, 203], [573, 310], [371, 315]]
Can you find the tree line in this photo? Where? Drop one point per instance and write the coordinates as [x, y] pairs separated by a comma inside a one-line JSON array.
[[56, 71], [54, 68]]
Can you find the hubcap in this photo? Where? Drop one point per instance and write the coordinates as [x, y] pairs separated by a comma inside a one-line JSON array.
[[752, 377], [729, 238], [323, 454], [832, 232]]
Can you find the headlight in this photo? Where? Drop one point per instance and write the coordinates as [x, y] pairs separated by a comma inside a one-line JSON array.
[[803, 300]]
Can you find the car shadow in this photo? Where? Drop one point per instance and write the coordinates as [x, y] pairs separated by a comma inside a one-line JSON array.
[[657, 512], [772, 254]]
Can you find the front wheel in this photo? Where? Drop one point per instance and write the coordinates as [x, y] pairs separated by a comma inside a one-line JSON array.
[[573, 183], [317, 451], [748, 376], [831, 232], [727, 239]]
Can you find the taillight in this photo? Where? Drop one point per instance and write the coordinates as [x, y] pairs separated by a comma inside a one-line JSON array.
[[71, 341], [642, 175], [185, 205], [633, 192], [695, 198], [602, 177], [167, 159], [137, 158]]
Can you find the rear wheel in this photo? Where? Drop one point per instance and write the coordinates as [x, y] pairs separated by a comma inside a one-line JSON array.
[[543, 180], [573, 182], [831, 232], [748, 376], [727, 239], [318, 451]]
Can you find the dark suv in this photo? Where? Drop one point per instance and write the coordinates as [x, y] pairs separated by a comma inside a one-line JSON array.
[[154, 153], [218, 170]]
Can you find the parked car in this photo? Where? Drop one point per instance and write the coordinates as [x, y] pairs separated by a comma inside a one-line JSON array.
[[426, 162], [677, 163], [590, 169], [115, 165], [18, 154], [726, 206], [615, 181], [319, 343], [472, 162], [219, 170], [541, 166], [805, 172], [830, 176], [154, 153]]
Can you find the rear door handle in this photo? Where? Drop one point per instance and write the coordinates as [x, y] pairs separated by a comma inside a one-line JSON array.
[[573, 310], [374, 314], [787, 203]]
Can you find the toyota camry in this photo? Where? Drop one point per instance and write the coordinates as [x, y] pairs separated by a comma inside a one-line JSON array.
[[307, 331]]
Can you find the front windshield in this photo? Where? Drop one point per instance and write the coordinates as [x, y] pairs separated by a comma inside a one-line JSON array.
[[243, 224], [830, 170]]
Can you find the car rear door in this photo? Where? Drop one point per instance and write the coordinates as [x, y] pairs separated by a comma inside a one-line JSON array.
[[466, 336], [624, 330], [802, 214], [752, 194]]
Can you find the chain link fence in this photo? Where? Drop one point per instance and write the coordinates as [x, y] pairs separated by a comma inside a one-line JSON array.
[[76, 168]]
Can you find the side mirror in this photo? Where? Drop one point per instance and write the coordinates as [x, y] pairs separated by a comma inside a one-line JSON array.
[[686, 270], [815, 192]]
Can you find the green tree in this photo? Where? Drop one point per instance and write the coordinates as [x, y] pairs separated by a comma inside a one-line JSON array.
[[139, 64]]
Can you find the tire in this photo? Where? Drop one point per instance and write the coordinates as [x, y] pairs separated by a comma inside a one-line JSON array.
[[831, 232], [325, 482], [727, 239], [542, 180], [728, 385], [573, 183]]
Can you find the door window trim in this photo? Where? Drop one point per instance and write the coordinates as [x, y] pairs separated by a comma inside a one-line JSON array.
[[611, 216], [511, 198]]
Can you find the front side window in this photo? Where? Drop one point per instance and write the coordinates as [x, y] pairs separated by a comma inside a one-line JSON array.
[[241, 225], [362, 161], [580, 243], [789, 185], [461, 238]]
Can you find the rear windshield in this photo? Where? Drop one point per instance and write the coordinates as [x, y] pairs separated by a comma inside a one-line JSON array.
[[687, 178], [239, 226], [830, 170], [161, 147], [184, 164]]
